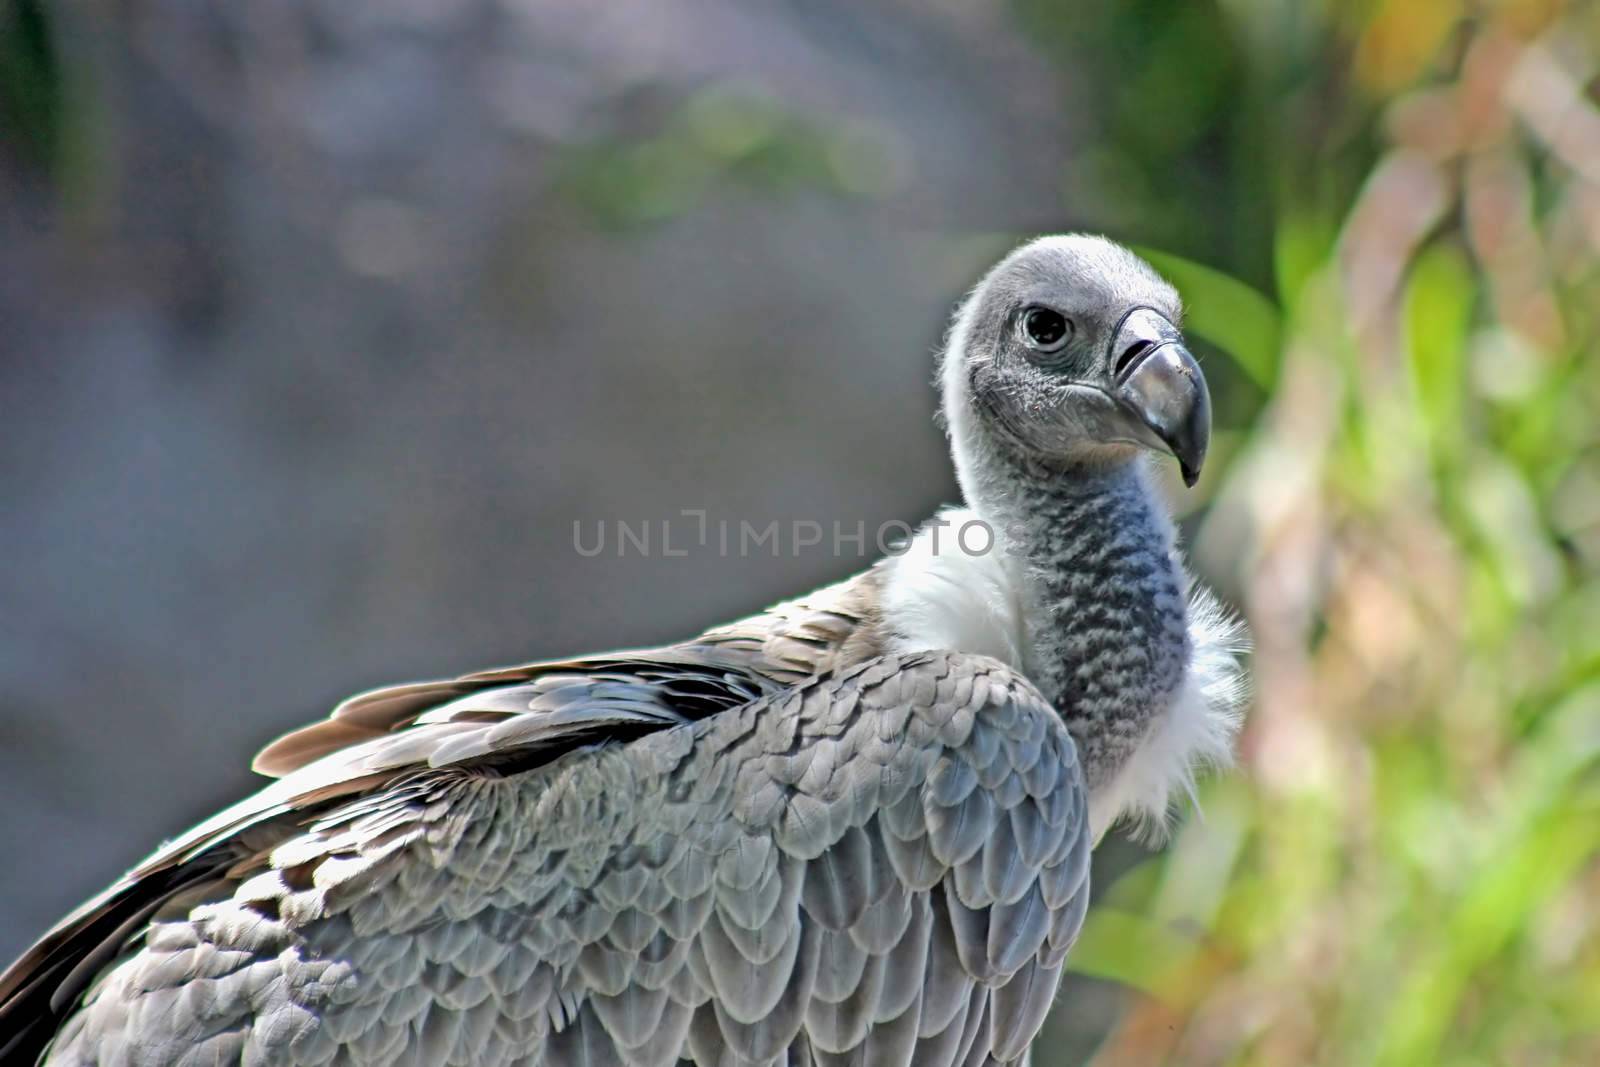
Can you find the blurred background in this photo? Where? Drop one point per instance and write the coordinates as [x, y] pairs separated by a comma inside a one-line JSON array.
[[321, 323]]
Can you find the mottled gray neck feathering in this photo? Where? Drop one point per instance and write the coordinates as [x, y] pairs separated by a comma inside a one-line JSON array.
[[1091, 550]]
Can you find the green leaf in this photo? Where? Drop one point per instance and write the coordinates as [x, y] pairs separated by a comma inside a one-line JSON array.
[[1302, 244], [1128, 948], [1438, 312], [1227, 312]]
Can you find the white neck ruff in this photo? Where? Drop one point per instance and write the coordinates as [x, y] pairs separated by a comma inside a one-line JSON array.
[[953, 589]]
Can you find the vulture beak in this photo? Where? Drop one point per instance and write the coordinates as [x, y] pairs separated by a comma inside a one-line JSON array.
[[1159, 386]]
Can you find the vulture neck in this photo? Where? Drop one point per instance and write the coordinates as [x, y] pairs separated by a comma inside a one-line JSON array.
[[1088, 555]]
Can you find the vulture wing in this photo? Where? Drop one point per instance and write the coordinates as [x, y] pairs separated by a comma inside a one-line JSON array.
[[888, 858], [370, 742]]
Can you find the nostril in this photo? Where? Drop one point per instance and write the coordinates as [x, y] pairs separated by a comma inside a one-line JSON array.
[[1131, 354]]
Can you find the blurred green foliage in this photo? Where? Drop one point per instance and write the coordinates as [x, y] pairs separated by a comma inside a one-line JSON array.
[[730, 132], [1405, 869], [31, 94]]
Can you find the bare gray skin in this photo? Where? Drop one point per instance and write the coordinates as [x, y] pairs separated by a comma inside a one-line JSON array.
[[796, 839]]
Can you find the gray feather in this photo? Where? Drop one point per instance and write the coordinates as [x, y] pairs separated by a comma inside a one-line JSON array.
[[840, 962], [957, 832], [1019, 1009], [843, 882]]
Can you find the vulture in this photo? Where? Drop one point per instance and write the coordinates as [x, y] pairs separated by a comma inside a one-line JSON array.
[[854, 828]]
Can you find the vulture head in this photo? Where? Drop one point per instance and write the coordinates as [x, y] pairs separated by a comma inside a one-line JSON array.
[[1068, 355]]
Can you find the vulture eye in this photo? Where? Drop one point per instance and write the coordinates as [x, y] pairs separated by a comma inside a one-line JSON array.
[[1045, 330]]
